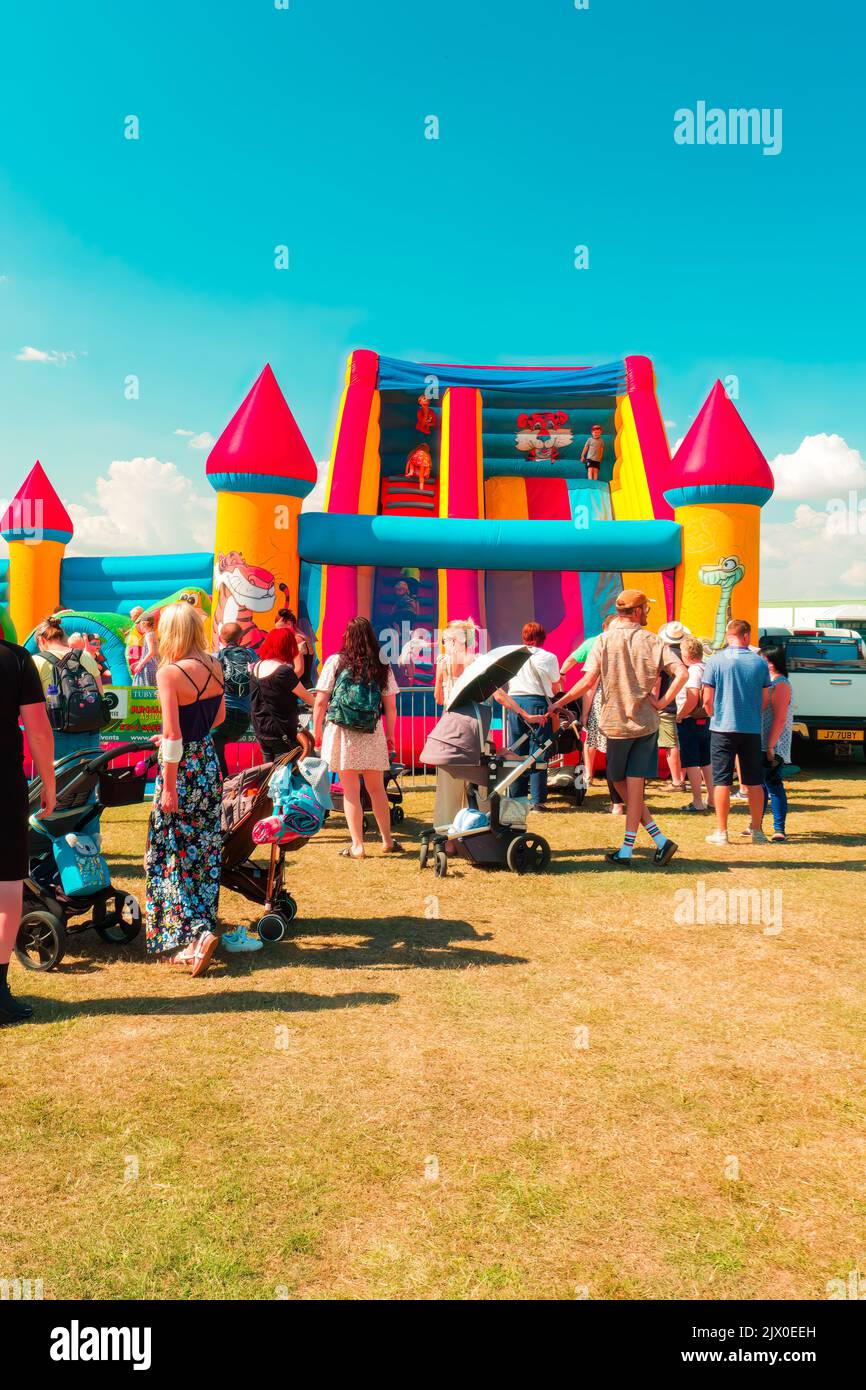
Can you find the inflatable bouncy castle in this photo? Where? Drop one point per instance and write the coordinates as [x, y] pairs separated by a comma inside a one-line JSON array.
[[497, 494], [503, 523], [467, 486]]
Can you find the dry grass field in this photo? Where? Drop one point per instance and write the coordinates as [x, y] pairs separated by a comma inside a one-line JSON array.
[[478, 1087]]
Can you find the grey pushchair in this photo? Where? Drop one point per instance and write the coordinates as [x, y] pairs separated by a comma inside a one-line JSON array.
[[68, 878], [491, 831]]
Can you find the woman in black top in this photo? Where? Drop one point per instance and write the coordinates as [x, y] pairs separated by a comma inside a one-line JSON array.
[[21, 698], [274, 693], [305, 659]]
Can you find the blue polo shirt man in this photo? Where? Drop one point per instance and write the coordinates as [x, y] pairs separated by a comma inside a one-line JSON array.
[[736, 688]]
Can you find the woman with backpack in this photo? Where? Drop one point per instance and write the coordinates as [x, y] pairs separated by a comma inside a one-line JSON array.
[[73, 694], [356, 688], [274, 694], [235, 660], [73, 689]]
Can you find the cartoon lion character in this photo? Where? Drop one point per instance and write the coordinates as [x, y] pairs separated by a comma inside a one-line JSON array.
[[543, 434]]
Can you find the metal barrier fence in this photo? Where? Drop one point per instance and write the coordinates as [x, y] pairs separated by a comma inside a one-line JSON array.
[[417, 712]]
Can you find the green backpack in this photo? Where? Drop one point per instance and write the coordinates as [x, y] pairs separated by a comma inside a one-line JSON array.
[[355, 705]]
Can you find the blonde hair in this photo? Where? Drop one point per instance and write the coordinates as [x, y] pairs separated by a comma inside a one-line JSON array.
[[693, 647], [466, 628], [181, 634]]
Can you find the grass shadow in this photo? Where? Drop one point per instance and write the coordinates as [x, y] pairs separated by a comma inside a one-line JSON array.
[[283, 1001], [389, 942]]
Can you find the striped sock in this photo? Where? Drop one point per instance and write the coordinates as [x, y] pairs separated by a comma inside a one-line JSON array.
[[627, 846], [658, 835]]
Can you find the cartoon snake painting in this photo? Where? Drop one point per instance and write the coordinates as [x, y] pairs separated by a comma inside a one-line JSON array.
[[727, 575]]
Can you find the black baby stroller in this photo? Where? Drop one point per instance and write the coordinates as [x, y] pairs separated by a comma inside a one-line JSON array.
[[492, 834], [68, 877], [246, 800], [564, 778], [393, 791]]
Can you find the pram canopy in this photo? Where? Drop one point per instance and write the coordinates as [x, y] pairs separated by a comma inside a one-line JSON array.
[[80, 779], [456, 742]]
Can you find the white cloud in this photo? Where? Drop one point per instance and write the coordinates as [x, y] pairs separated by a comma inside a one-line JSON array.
[[676, 444], [316, 500], [143, 506], [55, 356], [823, 465], [817, 552], [205, 440], [670, 424]]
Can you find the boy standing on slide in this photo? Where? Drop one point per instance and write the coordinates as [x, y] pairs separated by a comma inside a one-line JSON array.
[[593, 453]]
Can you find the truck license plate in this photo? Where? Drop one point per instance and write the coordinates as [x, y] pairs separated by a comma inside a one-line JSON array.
[[842, 735]]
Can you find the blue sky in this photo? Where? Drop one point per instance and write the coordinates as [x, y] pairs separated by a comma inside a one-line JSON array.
[[305, 126]]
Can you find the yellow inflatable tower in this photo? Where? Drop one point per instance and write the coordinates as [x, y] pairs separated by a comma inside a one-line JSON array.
[[261, 469], [719, 481], [38, 528]]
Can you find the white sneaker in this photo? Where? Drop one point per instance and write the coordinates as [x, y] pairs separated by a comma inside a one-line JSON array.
[[718, 837], [757, 837], [741, 797]]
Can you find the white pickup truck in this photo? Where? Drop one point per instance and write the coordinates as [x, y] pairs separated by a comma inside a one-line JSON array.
[[827, 671]]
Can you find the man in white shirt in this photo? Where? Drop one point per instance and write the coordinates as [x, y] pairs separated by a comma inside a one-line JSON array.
[[532, 689]]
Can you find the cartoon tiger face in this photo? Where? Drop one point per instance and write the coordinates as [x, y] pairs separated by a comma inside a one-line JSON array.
[[543, 434]]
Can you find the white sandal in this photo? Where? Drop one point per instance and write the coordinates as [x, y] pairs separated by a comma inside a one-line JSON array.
[[205, 947]]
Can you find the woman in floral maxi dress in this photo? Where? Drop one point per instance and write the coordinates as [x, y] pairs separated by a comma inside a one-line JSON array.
[[184, 844]]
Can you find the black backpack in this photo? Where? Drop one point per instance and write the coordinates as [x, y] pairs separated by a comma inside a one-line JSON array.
[[235, 662], [78, 707]]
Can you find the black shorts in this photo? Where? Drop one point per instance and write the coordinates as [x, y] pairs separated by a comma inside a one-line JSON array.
[[725, 747], [14, 858], [694, 737], [633, 757]]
